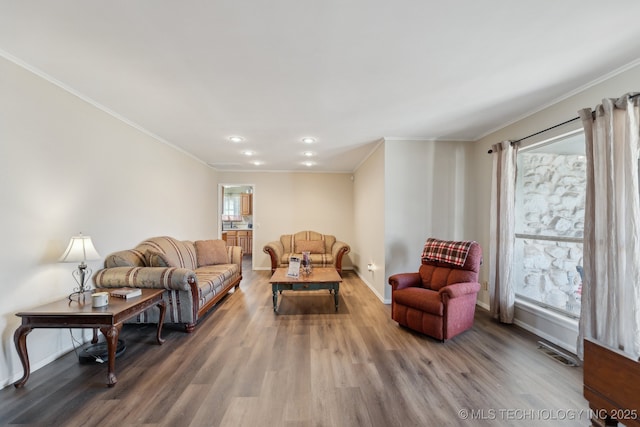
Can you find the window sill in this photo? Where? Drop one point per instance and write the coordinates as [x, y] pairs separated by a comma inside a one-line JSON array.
[[549, 315]]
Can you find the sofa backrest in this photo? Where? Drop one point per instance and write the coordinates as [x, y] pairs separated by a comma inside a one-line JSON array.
[[167, 251], [125, 258], [436, 275], [312, 241], [173, 252]]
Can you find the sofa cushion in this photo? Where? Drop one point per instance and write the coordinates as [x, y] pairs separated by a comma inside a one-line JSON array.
[[156, 259], [211, 252], [312, 246], [213, 278], [177, 253], [126, 258], [318, 260], [289, 241]]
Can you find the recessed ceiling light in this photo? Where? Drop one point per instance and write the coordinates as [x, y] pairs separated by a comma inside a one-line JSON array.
[[308, 164], [308, 140], [236, 139], [248, 152], [257, 163], [309, 153]]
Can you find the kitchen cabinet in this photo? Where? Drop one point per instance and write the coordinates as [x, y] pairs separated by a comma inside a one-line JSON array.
[[232, 238], [242, 238], [245, 240], [246, 204]]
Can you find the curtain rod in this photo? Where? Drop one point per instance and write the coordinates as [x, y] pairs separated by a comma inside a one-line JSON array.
[[539, 132], [555, 126]]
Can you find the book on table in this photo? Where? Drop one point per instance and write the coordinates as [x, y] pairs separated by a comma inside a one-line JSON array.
[[126, 293]]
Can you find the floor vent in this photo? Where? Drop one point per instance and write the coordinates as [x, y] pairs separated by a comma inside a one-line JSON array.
[[557, 355]]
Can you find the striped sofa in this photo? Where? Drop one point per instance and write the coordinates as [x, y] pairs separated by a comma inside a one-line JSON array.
[[196, 275], [324, 248]]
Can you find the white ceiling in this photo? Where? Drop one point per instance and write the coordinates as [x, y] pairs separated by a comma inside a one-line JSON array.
[[346, 72]]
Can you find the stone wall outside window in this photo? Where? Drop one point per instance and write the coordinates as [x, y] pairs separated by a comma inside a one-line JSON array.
[[549, 204]]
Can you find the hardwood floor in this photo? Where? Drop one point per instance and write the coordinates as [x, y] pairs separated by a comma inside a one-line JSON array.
[[307, 366]]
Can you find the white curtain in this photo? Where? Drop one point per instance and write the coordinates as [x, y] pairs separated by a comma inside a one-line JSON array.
[[610, 310], [502, 232]]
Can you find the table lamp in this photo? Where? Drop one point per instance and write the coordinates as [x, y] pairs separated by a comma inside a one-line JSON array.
[[80, 249]]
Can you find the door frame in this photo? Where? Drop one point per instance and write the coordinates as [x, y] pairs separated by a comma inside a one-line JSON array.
[[221, 187]]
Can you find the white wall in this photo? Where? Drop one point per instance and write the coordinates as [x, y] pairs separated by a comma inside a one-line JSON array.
[[368, 222], [66, 167], [618, 83], [425, 196], [288, 202]]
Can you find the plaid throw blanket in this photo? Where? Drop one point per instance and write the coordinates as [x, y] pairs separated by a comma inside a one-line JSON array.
[[446, 251]]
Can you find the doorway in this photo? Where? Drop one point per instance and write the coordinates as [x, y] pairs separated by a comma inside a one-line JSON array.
[[236, 218]]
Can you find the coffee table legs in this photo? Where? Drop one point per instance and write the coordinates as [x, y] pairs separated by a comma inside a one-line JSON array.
[[163, 308], [111, 334], [20, 340], [332, 287], [274, 289]]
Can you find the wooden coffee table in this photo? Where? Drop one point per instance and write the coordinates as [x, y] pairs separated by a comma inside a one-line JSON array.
[[74, 314], [320, 278]]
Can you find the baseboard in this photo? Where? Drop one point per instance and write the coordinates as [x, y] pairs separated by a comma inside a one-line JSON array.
[[483, 305], [85, 338], [35, 366], [562, 331], [370, 286], [561, 324]]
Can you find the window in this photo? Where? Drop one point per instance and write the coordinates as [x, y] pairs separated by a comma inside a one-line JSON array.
[[550, 197], [231, 205]]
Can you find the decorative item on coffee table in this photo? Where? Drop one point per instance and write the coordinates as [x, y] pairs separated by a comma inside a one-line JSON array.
[[306, 263], [294, 267]]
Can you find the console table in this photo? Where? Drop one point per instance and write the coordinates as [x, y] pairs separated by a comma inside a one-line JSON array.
[[74, 314]]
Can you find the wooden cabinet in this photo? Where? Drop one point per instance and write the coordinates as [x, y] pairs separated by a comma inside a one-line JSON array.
[[611, 385], [246, 204], [245, 240], [232, 238], [242, 238]]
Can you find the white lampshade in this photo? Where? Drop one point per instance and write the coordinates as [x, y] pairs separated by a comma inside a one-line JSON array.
[[80, 249]]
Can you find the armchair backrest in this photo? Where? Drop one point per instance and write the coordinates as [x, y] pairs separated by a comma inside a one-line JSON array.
[[435, 275]]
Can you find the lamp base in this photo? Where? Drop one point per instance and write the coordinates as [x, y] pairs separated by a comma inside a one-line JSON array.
[[98, 353], [81, 297]]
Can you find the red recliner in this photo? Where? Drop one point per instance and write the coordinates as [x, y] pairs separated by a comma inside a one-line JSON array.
[[440, 299]]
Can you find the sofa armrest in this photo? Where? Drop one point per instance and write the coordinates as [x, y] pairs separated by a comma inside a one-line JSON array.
[[405, 280], [460, 289], [179, 279], [338, 250], [275, 251], [235, 256]]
